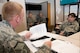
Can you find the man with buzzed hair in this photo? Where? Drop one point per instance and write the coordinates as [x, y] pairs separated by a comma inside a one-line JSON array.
[[10, 41]]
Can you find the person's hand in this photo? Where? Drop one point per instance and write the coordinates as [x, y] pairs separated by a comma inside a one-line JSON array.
[[57, 27], [48, 43], [31, 24], [62, 32], [28, 34]]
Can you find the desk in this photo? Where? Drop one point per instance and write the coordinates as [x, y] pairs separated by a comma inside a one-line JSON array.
[[75, 36], [69, 39], [73, 41]]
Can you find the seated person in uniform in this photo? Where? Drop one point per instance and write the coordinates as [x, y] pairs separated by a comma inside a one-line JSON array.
[[31, 21], [70, 27], [10, 41], [41, 18]]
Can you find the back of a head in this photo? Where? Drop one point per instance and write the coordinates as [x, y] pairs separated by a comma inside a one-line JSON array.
[[10, 9], [30, 14]]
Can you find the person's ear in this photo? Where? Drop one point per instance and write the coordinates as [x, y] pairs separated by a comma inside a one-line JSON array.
[[18, 20]]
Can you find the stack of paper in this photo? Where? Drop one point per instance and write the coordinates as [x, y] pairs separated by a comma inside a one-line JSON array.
[[40, 43], [64, 47]]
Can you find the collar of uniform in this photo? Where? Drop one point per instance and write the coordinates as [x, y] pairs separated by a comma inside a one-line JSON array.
[[7, 23], [71, 23]]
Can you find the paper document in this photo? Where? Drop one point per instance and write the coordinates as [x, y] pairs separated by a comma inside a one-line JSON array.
[[40, 43], [64, 47], [23, 33], [38, 31]]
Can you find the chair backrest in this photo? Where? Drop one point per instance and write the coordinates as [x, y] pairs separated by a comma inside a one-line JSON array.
[[79, 23], [0, 18]]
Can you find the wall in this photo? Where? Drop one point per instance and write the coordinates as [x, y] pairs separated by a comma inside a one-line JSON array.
[[44, 8], [23, 25]]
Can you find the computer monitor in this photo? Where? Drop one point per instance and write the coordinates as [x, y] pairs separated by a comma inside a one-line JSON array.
[[33, 7]]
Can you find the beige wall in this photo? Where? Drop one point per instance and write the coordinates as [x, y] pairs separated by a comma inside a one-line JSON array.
[[23, 24]]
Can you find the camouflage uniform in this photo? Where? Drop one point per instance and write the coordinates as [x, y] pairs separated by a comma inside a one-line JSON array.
[[30, 20], [70, 27], [11, 42], [41, 19]]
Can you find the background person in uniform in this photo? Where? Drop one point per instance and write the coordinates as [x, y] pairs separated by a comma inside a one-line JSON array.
[[71, 26], [10, 41], [30, 20], [41, 18]]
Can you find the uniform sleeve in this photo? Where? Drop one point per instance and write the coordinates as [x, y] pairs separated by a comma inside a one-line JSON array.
[[44, 20], [76, 27], [44, 49], [12, 44], [62, 27], [4, 46], [1, 44]]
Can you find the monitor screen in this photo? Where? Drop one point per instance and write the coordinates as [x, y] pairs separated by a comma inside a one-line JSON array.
[[33, 7]]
